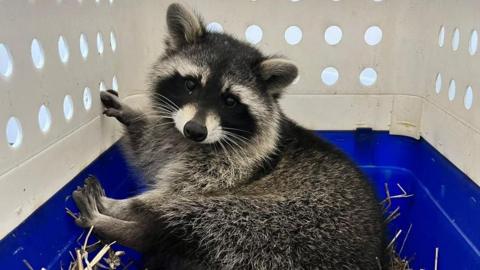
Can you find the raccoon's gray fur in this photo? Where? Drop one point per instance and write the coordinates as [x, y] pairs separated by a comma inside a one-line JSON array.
[[234, 184]]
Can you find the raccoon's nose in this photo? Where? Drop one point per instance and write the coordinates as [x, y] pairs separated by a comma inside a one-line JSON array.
[[194, 131]]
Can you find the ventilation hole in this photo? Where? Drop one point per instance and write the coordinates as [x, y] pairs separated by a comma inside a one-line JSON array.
[[468, 100], [68, 107], [63, 50], [333, 35], [214, 27], [451, 90], [87, 98], [113, 41], [115, 83], [293, 35], [14, 132], [441, 36], [38, 56], [473, 44], [102, 86], [100, 43], [330, 76], [6, 62], [83, 46], [44, 119], [438, 83], [297, 79], [368, 77], [373, 35], [254, 34], [456, 39]]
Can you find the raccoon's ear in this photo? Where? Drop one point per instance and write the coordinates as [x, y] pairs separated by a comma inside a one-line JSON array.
[[277, 73], [184, 26]]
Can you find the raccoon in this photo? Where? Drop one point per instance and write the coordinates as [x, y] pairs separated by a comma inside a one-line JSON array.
[[233, 183]]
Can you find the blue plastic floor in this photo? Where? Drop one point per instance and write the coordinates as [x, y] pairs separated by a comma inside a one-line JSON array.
[[439, 204]]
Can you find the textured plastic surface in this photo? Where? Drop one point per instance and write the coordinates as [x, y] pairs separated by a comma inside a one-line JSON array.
[[443, 211]]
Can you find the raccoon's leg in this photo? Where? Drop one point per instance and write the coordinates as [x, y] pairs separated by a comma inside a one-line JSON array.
[[127, 233], [115, 108], [121, 209]]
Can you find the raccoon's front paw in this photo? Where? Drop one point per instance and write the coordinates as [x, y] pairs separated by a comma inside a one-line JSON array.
[[93, 186], [111, 102], [85, 200]]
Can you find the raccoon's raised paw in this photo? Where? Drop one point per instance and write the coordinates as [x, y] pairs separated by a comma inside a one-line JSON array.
[[111, 102], [85, 200]]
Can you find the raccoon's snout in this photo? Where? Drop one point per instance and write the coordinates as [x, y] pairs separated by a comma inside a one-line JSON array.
[[195, 131]]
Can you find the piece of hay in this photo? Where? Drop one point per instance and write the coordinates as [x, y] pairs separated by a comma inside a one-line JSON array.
[[101, 253], [396, 261]]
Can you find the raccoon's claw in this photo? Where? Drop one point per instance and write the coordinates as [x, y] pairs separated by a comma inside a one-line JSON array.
[[86, 203], [110, 100], [113, 92], [94, 189], [93, 186]]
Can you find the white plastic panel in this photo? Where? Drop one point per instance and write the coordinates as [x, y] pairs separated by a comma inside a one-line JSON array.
[[64, 61], [362, 63]]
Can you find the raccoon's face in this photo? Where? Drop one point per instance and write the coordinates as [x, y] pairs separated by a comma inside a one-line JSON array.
[[213, 87]]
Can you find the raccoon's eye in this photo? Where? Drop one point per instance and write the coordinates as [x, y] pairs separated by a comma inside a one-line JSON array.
[[230, 101], [190, 85]]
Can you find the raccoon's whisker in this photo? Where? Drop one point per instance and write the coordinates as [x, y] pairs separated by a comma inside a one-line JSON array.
[[165, 123], [164, 116], [163, 108], [154, 117], [166, 105], [224, 150], [230, 139], [145, 114], [236, 129], [234, 134], [240, 138], [161, 113], [214, 147], [167, 99], [237, 150], [228, 153], [237, 137], [229, 144], [140, 117]]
